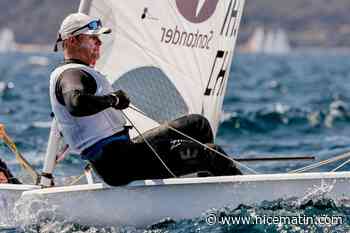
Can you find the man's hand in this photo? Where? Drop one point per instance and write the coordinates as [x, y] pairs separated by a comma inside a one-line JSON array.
[[46, 180], [122, 101]]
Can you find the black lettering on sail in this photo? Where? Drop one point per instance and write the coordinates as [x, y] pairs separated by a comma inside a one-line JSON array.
[[231, 19], [226, 74], [235, 16], [217, 84], [221, 77]]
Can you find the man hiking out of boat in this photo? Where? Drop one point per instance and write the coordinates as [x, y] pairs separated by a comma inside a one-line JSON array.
[[5, 174], [89, 115]]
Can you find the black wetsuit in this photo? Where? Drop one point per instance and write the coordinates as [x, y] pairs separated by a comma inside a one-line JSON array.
[[121, 161], [11, 179]]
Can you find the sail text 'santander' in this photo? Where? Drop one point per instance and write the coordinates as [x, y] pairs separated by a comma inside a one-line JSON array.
[[186, 39]]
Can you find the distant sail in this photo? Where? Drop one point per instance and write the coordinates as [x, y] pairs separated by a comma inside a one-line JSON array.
[[281, 42], [7, 40], [172, 57], [256, 42], [270, 41], [269, 45]]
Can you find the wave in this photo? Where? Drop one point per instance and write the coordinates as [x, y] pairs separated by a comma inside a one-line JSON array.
[[281, 116], [297, 218]]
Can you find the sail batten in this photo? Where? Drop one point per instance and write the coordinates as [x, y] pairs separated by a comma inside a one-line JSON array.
[[180, 49]]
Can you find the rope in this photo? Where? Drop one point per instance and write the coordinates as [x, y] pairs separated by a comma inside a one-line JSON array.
[[150, 146], [213, 150], [205, 146], [21, 160], [322, 163], [341, 165], [76, 179]]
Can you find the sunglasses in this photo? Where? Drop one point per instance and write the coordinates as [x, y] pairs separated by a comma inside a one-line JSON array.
[[93, 25]]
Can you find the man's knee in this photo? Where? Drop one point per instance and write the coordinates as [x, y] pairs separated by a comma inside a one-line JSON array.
[[195, 125], [199, 119], [202, 126]]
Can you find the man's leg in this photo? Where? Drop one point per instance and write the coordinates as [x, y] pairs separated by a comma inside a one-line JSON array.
[[191, 157], [221, 165], [120, 163], [184, 156], [195, 126]]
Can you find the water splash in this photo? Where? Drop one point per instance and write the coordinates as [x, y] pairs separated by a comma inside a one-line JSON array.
[[317, 192]]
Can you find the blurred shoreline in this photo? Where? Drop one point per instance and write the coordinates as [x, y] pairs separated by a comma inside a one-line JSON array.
[[46, 48], [305, 50], [33, 48]]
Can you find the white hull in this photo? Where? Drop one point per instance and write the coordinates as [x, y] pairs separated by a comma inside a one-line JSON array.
[[143, 204], [12, 192], [9, 194]]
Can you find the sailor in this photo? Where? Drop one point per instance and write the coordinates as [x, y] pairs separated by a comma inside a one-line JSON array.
[[5, 174], [88, 113]]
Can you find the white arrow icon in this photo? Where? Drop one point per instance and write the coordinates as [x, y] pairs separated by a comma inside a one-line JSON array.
[[200, 6]]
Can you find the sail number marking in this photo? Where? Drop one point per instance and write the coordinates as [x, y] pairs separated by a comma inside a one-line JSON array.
[[218, 74], [231, 20]]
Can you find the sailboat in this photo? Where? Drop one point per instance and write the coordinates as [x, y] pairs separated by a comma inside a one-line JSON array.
[[273, 41], [173, 58], [7, 41]]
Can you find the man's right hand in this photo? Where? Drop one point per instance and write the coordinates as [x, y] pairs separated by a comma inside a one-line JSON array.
[[46, 180], [122, 101]]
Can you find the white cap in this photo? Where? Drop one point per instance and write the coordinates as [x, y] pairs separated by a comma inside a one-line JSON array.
[[76, 24]]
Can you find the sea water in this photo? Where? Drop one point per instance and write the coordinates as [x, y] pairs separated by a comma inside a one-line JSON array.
[[279, 105]]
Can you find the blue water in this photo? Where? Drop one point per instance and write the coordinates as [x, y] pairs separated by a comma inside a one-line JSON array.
[[296, 104]]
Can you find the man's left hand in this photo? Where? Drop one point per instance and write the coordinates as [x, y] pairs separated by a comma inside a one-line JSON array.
[[122, 100]]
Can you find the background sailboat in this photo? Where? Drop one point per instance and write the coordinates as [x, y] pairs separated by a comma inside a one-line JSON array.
[[272, 41], [7, 40]]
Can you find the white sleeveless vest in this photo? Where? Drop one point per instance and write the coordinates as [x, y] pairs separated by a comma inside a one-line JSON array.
[[81, 132]]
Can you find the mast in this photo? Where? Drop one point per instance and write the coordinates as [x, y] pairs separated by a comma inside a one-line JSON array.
[[84, 6]]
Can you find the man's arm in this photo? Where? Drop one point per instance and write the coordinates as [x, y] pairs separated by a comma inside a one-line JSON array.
[[76, 90], [46, 179]]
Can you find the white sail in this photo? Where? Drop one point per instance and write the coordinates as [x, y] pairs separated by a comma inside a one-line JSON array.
[[282, 44], [270, 41], [256, 42], [172, 57], [7, 40]]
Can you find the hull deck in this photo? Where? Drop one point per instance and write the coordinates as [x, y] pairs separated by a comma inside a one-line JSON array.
[[144, 203]]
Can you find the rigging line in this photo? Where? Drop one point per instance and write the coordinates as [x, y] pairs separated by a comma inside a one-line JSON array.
[[150, 146], [21, 160], [76, 179], [207, 147], [215, 151], [321, 163], [310, 167], [341, 165]]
